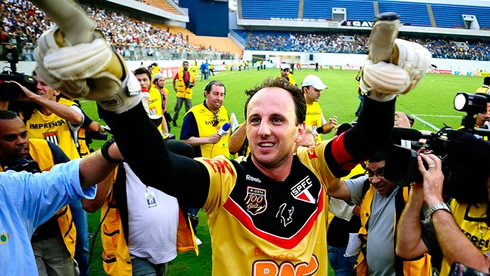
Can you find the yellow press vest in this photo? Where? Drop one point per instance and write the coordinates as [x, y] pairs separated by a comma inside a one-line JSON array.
[[290, 79], [417, 267], [483, 90], [314, 117], [54, 129], [83, 148], [182, 91], [41, 153], [204, 120], [472, 221], [155, 104], [115, 257]]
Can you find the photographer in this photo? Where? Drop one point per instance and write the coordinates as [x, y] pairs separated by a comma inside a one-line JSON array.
[[458, 231]]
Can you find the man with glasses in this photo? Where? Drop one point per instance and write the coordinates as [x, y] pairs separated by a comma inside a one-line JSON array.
[[382, 202], [202, 123]]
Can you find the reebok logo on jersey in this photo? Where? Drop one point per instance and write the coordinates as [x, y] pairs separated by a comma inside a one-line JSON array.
[[253, 179], [255, 200], [300, 190]]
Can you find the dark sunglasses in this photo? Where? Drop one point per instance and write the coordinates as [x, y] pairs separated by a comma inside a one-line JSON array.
[[216, 120]]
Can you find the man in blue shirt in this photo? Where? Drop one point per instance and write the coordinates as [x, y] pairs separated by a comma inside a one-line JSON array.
[[27, 200]]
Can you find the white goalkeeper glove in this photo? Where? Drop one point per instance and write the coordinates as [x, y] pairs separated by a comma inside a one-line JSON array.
[[91, 70], [394, 66]]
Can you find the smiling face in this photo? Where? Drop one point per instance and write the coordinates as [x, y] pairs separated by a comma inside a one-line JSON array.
[[272, 128], [45, 91], [13, 140], [376, 177]]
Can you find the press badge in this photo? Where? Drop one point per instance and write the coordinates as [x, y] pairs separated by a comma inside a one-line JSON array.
[[150, 198]]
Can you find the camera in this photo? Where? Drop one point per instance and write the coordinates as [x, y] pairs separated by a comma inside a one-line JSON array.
[[464, 153], [9, 91]]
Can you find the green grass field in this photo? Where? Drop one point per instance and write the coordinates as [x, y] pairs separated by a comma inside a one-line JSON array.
[[431, 103]]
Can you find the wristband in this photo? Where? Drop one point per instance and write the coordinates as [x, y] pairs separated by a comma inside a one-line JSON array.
[[105, 152]]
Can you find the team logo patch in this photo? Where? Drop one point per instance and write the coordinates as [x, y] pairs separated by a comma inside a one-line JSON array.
[[300, 191], [255, 200], [51, 137]]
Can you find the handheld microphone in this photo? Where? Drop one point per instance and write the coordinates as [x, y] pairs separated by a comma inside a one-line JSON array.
[[224, 129]]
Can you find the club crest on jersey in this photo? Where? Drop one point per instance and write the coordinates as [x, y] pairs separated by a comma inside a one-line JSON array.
[[255, 200], [300, 191], [51, 137]]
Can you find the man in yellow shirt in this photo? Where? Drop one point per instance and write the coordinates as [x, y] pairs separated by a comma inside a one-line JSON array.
[[183, 83], [312, 88]]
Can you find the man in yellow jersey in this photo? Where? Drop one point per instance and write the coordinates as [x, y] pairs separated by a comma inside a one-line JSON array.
[[183, 82], [56, 119], [285, 74], [312, 88], [53, 242], [202, 124], [154, 99], [456, 232], [159, 83]]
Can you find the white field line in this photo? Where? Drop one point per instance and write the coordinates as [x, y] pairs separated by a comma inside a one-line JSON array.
[[440, 116], [425, 122]]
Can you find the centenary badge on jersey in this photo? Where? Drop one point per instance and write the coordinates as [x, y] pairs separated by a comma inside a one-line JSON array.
[[255, 200]]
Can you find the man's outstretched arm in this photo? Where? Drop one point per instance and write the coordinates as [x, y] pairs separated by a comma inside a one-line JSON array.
[[146, 152]]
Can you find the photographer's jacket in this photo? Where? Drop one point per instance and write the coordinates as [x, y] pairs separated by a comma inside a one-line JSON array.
[[203, 124], [41, 152], [379, 216], [184, 89], [54, 129]]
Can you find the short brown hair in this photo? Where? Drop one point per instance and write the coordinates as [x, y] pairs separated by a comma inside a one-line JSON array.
[[298, 97]]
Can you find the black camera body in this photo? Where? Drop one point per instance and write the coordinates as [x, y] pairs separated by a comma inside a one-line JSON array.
[[10, 91], [465, 160]]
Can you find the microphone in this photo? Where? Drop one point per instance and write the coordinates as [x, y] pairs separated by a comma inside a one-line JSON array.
[[409, 134], [224, 129]]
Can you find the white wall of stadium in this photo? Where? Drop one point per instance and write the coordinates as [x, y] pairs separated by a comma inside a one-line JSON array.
[[354, 61], [333, 61]]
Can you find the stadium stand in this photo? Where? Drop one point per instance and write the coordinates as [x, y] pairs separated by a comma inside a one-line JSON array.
[[23, 24], [334, 42], [267, 9], [449, 16], [356, 10], [163, 4], [411, 13]]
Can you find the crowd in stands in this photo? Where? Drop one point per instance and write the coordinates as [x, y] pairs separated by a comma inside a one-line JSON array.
[[358, 44], [23, 23]]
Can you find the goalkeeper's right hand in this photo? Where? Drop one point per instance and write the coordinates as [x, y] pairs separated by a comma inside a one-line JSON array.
[[394, 66], [91, 70]]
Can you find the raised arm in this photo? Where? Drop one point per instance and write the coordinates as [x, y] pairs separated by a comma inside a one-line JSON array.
[[409, 243], [454, 245]]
